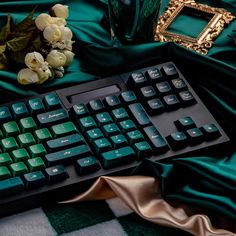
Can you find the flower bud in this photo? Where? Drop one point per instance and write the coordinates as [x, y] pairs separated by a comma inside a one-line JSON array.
[[69, 56], [43, 75], [58, 21], [56, 59], [59, 72], [60, 10], [34, 60], [52, 33], [42, 21], [66, 33], [27, 76]]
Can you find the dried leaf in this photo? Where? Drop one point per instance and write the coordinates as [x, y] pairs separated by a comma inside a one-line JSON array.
[[5, 31], [19, 43], [3, 61], [2, 48], [36, 43]]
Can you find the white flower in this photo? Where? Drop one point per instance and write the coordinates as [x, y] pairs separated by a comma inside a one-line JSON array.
[[27, 76], [69, 56], [58, 21], [34, 60], [42, 21], [59, 72], [44, 75], [66, 33], [52, 33], [56, 59], [60, 10]]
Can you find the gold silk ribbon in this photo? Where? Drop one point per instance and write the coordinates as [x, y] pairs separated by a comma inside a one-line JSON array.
[[142, 195]]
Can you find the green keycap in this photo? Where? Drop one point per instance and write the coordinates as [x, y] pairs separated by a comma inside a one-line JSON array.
[[28, 124], [19, 110], [63, 129], [1, 134], [94, 134], [42, 135], [26, 139], [11, 186], [36, 106], [102, 145], [111, 129], [18, 168], [119, 141], [36, 164], [52, 101], [5, 159], [87, 123], [117, 157], [143, 149], [4, 172], [20, 155], [127, 125], [9, 144], [37, 150], [135, 136], [104, 118], [119, 114], [10, 129], [5, 114]]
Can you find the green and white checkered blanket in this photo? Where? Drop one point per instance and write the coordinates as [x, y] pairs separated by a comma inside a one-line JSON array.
[[92, 218]]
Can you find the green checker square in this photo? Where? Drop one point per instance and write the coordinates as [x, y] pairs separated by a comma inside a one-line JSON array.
[[42, 135], [94, 134], [63, 129], [120, 114], [4, 172], [127, 125], [36, 164], [134, 225], [20, 155], [26, 139], [27, 124], [119, 141], [104, 118], [5, 159], [11, 128], [37, 150], [9, 144], [18, 168], [68, 218]]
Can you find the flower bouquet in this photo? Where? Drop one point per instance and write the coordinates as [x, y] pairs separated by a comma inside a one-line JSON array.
[[42, 45]]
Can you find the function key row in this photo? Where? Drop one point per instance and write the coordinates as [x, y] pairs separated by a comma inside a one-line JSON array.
[[31, 107]]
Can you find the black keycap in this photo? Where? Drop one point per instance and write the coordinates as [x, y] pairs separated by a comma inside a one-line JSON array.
[[140, 114], [163, 88], [148, 92], [87, 165], [112, 101], [179, 84], [128, 97], [96, 105], [170, 71], [155, 106], [158, 142], [52, 117], [187, 98], [185, 123], [56, 173], [154, 75], [79, 110], [195, 136], [171, 102], [137, 79], [210, 131], [177, 140], [34, 179]]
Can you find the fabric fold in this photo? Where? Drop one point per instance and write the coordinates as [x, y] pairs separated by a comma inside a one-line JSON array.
[[142, 195]]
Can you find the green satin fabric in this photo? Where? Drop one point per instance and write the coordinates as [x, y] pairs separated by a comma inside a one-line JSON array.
[[206, 181]]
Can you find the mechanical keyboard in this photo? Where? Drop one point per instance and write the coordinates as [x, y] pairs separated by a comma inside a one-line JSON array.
[[54, 145]]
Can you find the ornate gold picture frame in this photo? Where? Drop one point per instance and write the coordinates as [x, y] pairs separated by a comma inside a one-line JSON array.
[[218, 18]]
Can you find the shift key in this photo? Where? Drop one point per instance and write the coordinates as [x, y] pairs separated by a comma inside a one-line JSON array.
[[68, 155], [52, 117]]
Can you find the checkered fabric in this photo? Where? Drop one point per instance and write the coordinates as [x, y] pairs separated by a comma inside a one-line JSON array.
[[93, 218]]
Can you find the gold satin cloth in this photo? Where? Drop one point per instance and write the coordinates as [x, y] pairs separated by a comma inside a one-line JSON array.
[[142, 195]]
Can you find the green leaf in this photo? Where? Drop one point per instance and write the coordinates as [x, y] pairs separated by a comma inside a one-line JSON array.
[[27, 24], [5, 30], [3, 61], [19, 43]]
